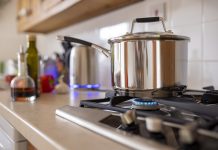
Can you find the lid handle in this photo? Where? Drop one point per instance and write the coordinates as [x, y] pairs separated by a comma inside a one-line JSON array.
[[146, 20]]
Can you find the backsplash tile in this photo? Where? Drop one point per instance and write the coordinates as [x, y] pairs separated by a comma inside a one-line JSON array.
[[195, 75], [210, 43], [186, 12], [156, 26], [210, 74], [210, 8], [195, 44]]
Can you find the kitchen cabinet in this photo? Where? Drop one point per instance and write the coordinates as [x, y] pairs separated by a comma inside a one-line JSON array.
[[26, 10], [10, 138], [44, 16]]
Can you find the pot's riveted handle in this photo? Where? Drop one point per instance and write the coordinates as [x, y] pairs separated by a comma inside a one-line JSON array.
[[105, 51], [147, 20]]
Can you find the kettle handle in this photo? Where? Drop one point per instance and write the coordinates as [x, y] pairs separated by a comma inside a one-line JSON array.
[[74, 40], [105, 51], [146, 20]]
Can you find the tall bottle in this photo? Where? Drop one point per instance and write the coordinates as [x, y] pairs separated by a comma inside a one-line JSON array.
[[22, 86], [33, 61]]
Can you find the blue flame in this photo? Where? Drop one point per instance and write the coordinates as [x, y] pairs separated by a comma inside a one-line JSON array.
[[85, 86]]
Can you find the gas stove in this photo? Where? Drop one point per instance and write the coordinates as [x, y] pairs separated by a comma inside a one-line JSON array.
[[187, 119]]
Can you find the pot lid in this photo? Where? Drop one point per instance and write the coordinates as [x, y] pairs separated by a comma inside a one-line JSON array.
[[148, 36], [167, 35]]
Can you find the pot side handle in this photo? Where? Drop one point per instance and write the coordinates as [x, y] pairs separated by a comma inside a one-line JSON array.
[[105, 51], [147, 20]]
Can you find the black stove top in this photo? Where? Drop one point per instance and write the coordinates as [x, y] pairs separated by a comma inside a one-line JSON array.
[[188, 120], [184, 119]]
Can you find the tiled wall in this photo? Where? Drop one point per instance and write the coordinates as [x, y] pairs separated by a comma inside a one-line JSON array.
[[197, 19]]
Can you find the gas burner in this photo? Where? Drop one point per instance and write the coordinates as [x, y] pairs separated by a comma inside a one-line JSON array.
[[144, 104], [156, 93], [184, 119]]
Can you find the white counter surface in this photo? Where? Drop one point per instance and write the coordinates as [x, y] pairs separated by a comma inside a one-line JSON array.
[[38, 123]]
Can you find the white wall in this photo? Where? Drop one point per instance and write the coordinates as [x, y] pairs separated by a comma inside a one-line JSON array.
[[197, 19], [9, 38]]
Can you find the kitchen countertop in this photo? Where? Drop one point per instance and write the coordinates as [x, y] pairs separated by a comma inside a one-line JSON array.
[[38, 123]]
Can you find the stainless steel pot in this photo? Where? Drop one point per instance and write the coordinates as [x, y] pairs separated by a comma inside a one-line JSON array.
[[146, 60]]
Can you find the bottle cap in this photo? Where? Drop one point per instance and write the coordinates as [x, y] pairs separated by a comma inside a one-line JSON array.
[[21, 49], [31, 37], [21, 54]]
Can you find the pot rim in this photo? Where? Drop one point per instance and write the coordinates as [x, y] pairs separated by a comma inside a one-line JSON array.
[[148, 36]]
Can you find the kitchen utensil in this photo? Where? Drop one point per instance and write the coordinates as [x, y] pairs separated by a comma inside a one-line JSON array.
[[146, 60], [83, 67]]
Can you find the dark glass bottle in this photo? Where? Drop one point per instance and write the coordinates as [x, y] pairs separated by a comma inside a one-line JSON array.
[[33, 61]]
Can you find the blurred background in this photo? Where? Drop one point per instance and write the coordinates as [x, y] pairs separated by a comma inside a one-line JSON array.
[[197, 19]]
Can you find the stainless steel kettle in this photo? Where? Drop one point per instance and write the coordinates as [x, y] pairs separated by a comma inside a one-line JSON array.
[[83, 67]]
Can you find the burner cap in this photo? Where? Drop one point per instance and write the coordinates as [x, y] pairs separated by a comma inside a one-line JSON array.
[[145, 104]]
